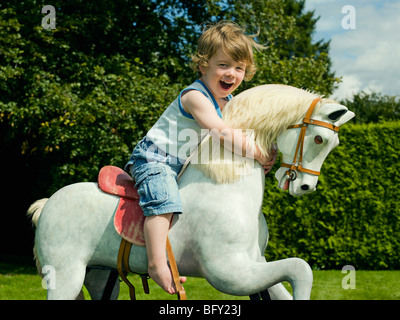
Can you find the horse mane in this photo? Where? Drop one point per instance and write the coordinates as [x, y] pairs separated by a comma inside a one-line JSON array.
[[267, 110]]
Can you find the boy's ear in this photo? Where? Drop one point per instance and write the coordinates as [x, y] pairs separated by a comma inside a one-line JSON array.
[[202, 69]]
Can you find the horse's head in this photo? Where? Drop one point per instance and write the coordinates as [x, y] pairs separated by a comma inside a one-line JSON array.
[[305, 145]]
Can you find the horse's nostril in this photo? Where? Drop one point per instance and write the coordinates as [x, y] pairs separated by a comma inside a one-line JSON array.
[[305, 187]]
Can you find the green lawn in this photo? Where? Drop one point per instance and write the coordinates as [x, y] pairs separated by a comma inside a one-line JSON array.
[[21, 282]]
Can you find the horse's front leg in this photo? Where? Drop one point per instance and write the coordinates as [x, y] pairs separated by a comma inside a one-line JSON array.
[[236, 275]]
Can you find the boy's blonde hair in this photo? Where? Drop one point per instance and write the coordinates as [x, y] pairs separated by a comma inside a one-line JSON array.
[[234, 42]]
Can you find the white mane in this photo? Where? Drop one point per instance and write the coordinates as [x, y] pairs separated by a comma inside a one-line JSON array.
[[267, 110]]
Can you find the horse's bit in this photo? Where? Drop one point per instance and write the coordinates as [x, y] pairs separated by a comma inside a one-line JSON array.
[[293, 168]]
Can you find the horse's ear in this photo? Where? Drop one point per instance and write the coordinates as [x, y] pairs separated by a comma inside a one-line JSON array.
[[336, 113]]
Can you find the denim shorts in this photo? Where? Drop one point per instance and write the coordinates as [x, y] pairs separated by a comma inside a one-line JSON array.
[[155, 174]]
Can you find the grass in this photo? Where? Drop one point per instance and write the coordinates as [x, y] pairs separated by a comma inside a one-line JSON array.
[[19, 281]]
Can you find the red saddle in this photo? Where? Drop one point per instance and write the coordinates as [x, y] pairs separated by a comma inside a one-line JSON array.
[[129, 218]]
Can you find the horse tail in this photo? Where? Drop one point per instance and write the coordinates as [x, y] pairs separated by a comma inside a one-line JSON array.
[[36, 209]]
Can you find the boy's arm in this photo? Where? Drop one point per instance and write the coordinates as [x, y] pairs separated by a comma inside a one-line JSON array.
[[203, 111]]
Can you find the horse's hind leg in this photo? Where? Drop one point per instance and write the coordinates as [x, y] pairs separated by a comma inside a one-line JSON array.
[[64, 282], [102, 284]]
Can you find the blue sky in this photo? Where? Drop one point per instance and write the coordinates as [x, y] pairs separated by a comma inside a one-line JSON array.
[[367, 57]]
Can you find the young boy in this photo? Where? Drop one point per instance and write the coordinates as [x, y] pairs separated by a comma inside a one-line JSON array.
[[224, 59]]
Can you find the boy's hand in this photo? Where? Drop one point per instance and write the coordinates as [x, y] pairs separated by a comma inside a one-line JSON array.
[[267, 162]]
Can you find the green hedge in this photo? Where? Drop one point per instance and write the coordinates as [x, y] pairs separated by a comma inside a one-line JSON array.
[[354, 216]]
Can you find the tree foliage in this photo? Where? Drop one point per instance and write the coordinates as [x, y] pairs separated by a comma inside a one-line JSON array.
[[374, 107], [68, 111]]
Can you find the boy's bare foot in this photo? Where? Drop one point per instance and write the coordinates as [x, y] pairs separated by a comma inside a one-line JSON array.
[[163, 277]]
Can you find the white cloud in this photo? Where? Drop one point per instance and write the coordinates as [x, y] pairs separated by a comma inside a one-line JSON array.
[[348, 87], [367, 58]]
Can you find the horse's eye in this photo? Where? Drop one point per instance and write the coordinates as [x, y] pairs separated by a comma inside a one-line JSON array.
[[318, 139]]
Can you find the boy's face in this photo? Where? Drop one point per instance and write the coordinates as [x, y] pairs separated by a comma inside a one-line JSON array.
[[223, 74]]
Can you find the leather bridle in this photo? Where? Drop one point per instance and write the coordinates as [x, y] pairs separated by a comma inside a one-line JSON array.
[[294, 167]]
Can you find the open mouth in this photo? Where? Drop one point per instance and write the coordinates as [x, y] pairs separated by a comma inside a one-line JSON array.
[[226, 85]]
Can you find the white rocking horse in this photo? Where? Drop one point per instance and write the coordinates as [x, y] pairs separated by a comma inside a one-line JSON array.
[[222, 234]]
